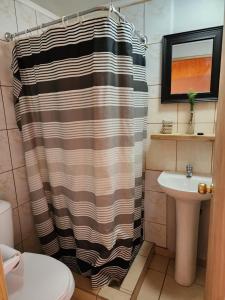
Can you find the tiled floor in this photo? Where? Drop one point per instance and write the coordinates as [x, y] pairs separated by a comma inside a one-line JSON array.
[[159, 283]]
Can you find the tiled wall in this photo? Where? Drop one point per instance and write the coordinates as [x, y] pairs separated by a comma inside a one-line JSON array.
[[156, 18], [14, 16]]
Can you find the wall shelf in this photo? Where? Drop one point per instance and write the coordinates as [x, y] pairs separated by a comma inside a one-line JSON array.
[[183, 137]]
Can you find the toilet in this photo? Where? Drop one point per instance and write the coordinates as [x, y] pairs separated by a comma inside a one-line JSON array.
[[37, 277]]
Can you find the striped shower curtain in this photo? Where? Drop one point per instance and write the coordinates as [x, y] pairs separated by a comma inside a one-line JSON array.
[[81, 103]]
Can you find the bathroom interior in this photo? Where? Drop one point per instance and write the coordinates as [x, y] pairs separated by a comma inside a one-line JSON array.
[[110, 174]]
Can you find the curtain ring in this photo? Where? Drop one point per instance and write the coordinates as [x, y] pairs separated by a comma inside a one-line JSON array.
[[111, 8], [63, 21], [146, 39], [27, 33]]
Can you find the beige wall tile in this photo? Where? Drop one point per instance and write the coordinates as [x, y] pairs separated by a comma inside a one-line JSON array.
[[174, 291], [151, 183], [32, 244], [154, 91], [159, 263], [5, 63], [16, 148], [130, 281], [153, 128], [16, 226], [151, 286], [204, 112], [153, 64], [155, 207], [7, 188], [199, 154], [22, 190], [155, 233], [112, 294], [26, 16], [5, 160], [26, 220], [159, 112], [161, 155], [206, 128], [9, 107]]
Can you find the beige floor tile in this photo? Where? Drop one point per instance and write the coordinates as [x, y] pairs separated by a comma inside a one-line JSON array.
[[130, 281], [151, 286], [171, 267], [145, 249], [82, 295], [112, 294], [159, 263], [173, 291], [84, 283]]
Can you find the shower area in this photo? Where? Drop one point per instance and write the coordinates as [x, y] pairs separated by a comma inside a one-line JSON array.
[[80, 97]]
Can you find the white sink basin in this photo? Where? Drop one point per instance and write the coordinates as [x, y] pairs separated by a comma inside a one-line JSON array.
[[188, 201], [179, 186]]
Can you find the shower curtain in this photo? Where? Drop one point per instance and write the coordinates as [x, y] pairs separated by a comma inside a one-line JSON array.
[[81, 104]]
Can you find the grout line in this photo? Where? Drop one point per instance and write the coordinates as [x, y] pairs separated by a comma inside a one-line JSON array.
[[154, 223], [17, 27], [160, 294], [3, 105], [5, 85], [10, 170]]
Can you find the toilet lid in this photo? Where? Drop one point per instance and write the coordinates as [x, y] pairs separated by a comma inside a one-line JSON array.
[[40, 277]]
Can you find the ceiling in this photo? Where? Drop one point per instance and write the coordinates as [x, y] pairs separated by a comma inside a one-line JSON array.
[[66, 7]]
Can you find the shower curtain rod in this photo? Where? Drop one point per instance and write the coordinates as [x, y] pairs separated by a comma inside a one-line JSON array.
[[9, 36]]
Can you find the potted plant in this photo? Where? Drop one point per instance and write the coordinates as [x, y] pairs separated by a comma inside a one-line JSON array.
[[192, 100]]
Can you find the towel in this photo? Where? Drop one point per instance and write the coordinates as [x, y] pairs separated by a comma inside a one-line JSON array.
[[11, 258]]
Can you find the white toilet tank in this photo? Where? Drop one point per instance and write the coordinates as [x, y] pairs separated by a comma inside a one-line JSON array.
[[6, 224]]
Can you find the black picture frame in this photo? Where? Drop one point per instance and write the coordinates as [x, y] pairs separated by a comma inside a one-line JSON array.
[[168, 41]]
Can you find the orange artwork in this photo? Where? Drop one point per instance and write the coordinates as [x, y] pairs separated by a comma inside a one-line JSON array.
[[191, 74]]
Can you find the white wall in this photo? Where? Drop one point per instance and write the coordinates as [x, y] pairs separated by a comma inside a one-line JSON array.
[[65, 7], [197, 14]]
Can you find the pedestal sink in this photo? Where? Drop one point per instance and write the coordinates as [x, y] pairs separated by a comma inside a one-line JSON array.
[[188, 201]]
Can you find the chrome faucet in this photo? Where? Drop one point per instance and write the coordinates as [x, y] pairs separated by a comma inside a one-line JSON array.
[[189, 170]]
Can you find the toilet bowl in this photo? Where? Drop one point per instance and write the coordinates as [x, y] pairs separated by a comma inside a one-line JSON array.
[[36, 277], [39, 277]]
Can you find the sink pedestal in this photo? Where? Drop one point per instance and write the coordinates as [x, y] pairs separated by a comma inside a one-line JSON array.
[[187, 222]]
